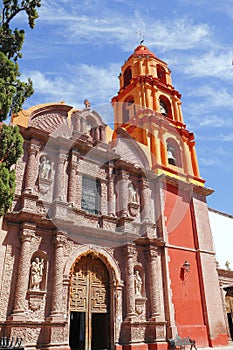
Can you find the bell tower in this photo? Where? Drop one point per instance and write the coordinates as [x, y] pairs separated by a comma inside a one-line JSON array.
[[149, 108]]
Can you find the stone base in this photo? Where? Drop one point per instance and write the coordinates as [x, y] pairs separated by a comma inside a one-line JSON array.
[[156, 346]]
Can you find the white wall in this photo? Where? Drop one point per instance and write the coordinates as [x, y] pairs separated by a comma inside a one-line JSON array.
[[222, 230]]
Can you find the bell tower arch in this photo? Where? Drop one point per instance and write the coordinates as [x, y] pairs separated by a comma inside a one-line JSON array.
[[148, 101]]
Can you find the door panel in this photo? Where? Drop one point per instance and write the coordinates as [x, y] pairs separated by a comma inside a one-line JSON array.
[[90, 295]]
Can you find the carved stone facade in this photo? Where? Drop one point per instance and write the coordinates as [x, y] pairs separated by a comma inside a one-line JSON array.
[[78, 261]]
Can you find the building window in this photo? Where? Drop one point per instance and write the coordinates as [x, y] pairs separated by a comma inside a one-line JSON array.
[[161, 74], [127, 76], [90, 195], [173, 153]]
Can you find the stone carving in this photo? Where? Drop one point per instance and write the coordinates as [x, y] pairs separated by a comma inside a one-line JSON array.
[[138, 284], [45, 168], [132, 193], [7, 279], [36, 273]]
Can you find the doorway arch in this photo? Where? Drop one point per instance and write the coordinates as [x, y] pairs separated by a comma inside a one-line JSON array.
[[90, 262]]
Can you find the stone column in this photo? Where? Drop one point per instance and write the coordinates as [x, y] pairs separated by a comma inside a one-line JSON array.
[[156, 105], [59, 190], [129, 252], [145, 200], [26, 234], [72, 177], [57, 289], [111, 194], [194, 159], [102, 134], [122, 193], [187, 157], [32, 166], [153, 275]]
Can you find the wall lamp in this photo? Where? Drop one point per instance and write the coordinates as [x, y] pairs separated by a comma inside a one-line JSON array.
[[186, 266]]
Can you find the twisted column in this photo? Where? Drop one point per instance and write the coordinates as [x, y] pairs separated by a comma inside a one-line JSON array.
[[129, 252], [32, 166], [26, 234], [152, 258], [57, 289]]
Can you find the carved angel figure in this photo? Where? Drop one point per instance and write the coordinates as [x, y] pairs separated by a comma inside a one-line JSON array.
[[36, 273]]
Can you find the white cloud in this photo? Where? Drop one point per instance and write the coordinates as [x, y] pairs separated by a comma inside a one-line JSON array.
[[95, 23], [227, 138], [210, 64], [98, 84], [215, 121]]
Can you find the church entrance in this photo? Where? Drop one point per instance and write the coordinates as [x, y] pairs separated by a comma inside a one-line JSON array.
[[89, 305]]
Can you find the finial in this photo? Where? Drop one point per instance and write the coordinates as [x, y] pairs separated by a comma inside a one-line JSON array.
[[141, 36], [87, 103]]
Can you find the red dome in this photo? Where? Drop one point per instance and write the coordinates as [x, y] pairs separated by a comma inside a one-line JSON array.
[[142, 50]]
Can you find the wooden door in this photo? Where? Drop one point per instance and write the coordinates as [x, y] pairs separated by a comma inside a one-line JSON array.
[[90, 296]]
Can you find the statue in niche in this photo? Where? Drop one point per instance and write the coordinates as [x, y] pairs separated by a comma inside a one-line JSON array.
[[132, 194], [138, 284], [45, 168], [36, 273]]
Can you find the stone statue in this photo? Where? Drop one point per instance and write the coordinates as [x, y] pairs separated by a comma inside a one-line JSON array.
[[132, 194], [87, 103], [227, 264], [36, 273], [138, 284], [45, 168]]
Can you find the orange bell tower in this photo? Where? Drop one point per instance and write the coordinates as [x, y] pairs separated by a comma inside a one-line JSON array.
[[149, 108]]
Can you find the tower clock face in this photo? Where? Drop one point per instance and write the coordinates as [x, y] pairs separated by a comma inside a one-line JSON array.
[[163, 108]]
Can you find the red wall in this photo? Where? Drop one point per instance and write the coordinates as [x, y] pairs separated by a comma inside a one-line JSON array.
[[186, 290]]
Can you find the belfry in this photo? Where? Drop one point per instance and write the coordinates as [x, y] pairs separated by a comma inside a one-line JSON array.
[[108, 243]]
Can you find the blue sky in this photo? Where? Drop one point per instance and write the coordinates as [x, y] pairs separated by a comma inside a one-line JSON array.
[[78, 47]]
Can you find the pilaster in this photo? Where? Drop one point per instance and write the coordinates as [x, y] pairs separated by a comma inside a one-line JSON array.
[[129, 252], [26, 234], [57, 291], [32, 166]]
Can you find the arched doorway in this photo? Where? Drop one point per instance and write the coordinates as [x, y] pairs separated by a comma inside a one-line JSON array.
[[89, 305]]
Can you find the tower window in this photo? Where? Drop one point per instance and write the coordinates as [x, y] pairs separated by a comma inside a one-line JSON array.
[[128, 109], [173, 153], [90, 195], [165, 107], [127, 76], [161, 74]]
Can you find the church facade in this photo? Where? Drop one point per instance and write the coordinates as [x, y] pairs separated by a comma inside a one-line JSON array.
[[108, 243]]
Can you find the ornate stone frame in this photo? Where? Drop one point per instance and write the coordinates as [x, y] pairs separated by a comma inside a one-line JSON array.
[[116, 284]]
